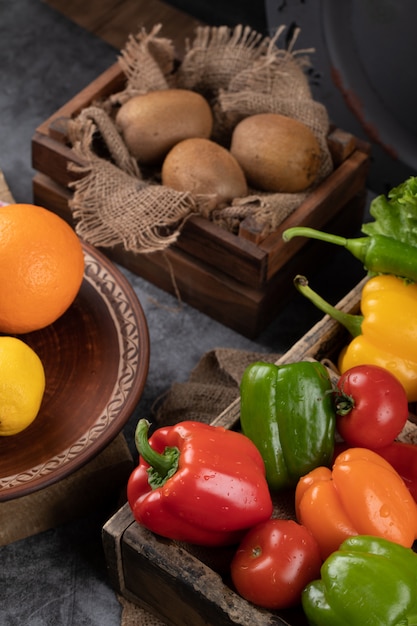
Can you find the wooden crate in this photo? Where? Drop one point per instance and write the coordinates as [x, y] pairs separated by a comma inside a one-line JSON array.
[[185, 585], [240, 280]]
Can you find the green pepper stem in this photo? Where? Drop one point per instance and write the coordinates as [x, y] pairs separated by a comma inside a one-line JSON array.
[[344, 403], [353, 323], [357, 247], [162, 466]]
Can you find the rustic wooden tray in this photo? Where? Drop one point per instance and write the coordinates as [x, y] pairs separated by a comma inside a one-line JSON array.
[[240, 280], [184, 585]]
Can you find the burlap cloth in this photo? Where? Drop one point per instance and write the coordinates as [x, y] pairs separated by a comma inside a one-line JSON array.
[[211, 387], [240, 73]]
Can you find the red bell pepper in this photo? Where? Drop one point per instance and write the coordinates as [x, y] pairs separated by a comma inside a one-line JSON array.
[[198, 483], [403, 458]]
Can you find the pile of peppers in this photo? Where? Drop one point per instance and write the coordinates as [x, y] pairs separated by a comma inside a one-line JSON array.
[[209, 486], [385, 333]]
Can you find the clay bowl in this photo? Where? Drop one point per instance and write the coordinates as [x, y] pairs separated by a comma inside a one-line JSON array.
[[96, 359]]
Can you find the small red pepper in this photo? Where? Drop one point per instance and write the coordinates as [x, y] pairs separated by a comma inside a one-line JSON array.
[[198, 483], [403, 457]]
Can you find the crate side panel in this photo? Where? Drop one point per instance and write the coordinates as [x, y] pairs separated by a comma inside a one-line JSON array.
[[51, 157], [240, 259], [112, 537], [330, 198], [167, 579], [49, 194]]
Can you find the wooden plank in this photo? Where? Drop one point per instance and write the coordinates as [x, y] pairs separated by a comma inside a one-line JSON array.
[[97, 485], [237, 257], [112, 535], [47, 193], [245, 261], [45, 150], [241, 260], [341, 145]]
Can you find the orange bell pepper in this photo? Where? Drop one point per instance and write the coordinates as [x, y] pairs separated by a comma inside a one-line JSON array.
[[361, 495]]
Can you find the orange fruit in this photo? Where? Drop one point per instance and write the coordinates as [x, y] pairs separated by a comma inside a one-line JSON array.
[[41, 267]]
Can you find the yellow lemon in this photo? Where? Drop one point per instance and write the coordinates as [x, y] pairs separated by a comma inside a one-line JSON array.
[[22, 385]]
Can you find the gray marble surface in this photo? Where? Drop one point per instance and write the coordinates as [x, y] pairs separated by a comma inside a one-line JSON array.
[[59, 577]]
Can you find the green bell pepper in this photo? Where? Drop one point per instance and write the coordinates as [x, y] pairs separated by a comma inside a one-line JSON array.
[[287, 411], [368, 581]]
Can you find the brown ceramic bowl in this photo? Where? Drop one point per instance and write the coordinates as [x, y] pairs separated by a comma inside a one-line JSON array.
[[96, 359]]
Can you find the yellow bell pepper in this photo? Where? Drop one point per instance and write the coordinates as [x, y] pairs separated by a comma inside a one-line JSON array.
[[389, 331], [386, 332]]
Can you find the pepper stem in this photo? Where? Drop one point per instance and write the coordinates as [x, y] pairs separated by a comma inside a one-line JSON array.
[[162, 466], [353, 323], [357, 247], [343, 403]]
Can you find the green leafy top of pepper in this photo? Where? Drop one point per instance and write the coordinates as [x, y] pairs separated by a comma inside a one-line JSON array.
[[395, 215], [390, 244]]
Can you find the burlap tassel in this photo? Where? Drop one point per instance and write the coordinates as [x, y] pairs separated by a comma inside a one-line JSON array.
[[94, 120], [147, 62]]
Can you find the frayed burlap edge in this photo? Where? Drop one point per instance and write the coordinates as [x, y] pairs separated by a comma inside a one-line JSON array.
[[148, 63], [107, 188]]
